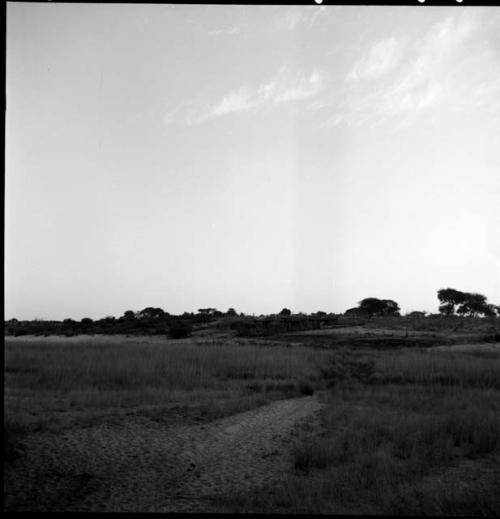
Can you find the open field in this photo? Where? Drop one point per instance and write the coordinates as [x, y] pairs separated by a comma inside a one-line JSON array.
[[75, 378], [116, 423]]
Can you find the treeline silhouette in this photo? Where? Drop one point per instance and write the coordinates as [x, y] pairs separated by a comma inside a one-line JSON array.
[[156, 321]]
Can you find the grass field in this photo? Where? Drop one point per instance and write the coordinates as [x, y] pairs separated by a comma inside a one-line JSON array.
[[392, 419], [55, 383]]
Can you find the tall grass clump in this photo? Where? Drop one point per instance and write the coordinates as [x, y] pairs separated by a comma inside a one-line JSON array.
[[465, 369]]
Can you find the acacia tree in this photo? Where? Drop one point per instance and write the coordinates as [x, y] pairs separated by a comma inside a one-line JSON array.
[[374, 306], [371, 305], [150, 313], [450, 299], [464, 303], [473, 305], [491, 310], [390, 307]]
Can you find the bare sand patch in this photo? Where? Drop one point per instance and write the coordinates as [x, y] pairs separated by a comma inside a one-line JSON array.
[[143, 466]]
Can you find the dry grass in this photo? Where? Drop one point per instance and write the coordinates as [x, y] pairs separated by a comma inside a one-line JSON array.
[[382, 439], [64, 383], [397, 426], [466, 369], [392, 419], [172, 365], [438, 323]]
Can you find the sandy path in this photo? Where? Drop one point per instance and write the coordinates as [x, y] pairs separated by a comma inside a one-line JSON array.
[[148, 467]]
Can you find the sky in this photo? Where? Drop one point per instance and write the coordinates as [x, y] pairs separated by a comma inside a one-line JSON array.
[[254, 157]]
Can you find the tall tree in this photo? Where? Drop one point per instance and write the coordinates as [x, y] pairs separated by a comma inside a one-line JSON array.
[[450, 299], [391, 307], [463, 303], [473, 305], [150, 313], [491, 310]]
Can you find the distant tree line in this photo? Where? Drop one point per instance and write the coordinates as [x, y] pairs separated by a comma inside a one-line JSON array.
[[155, 321], [150, 320], [452, 302]]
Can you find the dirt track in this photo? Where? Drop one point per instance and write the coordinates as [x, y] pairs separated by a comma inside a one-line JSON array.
[[148, 467]]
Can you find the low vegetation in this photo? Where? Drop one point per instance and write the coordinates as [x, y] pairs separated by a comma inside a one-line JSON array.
[[56, 383], [394, 426], [156, 321], [411, 403]]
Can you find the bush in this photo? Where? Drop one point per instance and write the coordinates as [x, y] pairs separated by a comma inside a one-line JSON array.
[[180, 330], [305, 388]]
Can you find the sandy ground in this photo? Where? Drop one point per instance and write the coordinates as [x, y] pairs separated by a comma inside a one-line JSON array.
[[149, 467]]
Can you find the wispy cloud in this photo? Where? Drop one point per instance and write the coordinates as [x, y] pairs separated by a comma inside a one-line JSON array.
[[284, 88], [451, 65], [240, 100], [305, 16], [427, 78], [411, 79], [382, 58]]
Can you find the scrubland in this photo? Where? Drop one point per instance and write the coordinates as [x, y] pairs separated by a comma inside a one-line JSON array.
[[407, 432], [401, 430], [63, 382]]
